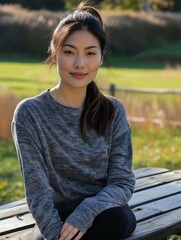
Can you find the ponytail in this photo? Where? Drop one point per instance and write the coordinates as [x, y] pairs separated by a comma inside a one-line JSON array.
[[97, 112]]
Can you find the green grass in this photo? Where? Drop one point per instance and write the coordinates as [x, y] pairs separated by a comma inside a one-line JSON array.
[[157, 147], [11, 185], [140, 78]]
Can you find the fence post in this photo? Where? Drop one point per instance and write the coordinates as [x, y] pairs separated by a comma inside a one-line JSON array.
[[112, 89]]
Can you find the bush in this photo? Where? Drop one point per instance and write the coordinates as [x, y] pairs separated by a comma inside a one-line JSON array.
[[26, 31], [30, 31]]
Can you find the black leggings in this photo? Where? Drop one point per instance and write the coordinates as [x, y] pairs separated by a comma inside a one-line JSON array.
[[112, 224]]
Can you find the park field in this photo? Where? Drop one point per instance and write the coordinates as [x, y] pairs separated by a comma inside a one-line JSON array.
[[29, 78]]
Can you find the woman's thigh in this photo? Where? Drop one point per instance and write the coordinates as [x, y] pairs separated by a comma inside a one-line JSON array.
[[115, 223], [112, 224]]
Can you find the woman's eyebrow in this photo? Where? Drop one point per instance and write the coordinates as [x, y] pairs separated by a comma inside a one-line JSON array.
[[72, 46]]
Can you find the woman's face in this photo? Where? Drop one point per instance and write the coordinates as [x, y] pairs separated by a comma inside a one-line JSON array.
[[79, 59]]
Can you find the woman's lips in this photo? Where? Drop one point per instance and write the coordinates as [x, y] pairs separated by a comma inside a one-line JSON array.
[[78, 75]]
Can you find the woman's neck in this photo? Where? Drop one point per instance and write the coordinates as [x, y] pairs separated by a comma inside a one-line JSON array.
[[71, 97]]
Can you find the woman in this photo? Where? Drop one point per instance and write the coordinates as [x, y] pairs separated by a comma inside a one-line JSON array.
[[74, 143]]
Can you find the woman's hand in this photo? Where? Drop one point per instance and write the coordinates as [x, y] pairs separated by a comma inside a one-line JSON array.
[[68, 232]]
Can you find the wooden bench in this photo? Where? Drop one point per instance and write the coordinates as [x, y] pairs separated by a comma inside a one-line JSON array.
[[156, 204]]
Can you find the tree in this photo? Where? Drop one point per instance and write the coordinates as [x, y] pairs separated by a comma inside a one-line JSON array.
[[146, 5], [177, 6], [38, 4], [121, 4], [161, 4], [71, 4]]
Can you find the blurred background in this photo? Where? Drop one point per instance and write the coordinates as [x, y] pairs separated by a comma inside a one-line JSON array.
[[142, 68]]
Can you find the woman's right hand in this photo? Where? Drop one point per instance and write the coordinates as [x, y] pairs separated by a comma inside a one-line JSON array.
[[68, 232]]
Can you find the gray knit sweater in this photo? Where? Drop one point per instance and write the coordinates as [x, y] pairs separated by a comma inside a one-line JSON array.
[[59, 167]]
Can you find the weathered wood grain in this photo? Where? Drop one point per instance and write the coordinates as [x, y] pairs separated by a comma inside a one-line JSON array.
[[155, 193], [158, 227], [149, 171], [16, 223], [14, 211], [19, 235], [13, 204], [158, 207], [152, 181]]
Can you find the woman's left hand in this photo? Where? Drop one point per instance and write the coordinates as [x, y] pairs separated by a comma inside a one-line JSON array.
[[68, 232]]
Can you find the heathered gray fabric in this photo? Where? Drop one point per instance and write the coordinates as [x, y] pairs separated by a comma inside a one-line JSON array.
[[59, 167]]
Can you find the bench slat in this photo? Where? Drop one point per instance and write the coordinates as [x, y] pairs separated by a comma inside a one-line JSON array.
[[158, 192], [158, 227], [157, 208], [152, 181], [13, 204], [14, 211], [20, 235], [149, 171], [16, 223]]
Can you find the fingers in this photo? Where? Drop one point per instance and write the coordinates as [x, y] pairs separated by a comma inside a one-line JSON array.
[[68, 232], [64, 227], [79, 236]]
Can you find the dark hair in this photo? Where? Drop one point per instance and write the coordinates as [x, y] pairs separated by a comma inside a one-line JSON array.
[[98, 109]]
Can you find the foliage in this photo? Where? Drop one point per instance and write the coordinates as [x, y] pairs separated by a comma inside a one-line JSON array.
[[120, 4], [129, 32], [106, 4], [11, 185], [38, 4], [174, 237], [162, 4], [138, 4]]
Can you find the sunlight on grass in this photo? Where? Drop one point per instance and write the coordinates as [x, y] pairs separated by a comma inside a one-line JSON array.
[[157, 147], [140, 78], [28, 79]]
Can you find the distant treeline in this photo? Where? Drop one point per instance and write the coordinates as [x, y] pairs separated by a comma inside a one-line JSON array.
[[164, 5], [29, 32]]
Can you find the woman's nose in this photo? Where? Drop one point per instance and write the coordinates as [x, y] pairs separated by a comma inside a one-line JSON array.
[[79, 61]]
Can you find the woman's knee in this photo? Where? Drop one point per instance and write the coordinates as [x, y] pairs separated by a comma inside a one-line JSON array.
[[114, 223]]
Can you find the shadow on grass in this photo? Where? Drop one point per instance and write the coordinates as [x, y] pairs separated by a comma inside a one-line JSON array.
[[138, 62], [21, 58]]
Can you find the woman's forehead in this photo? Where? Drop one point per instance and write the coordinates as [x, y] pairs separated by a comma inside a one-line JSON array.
[[82, 38]]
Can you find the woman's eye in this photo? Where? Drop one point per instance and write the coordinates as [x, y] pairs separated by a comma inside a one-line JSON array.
[[68, 52], [91, 53]]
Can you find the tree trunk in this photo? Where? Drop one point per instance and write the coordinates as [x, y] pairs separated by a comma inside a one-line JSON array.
[[146, 4]]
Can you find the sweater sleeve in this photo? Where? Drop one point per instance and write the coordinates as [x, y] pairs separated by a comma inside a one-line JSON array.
[[120, 177], [39, 193]]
